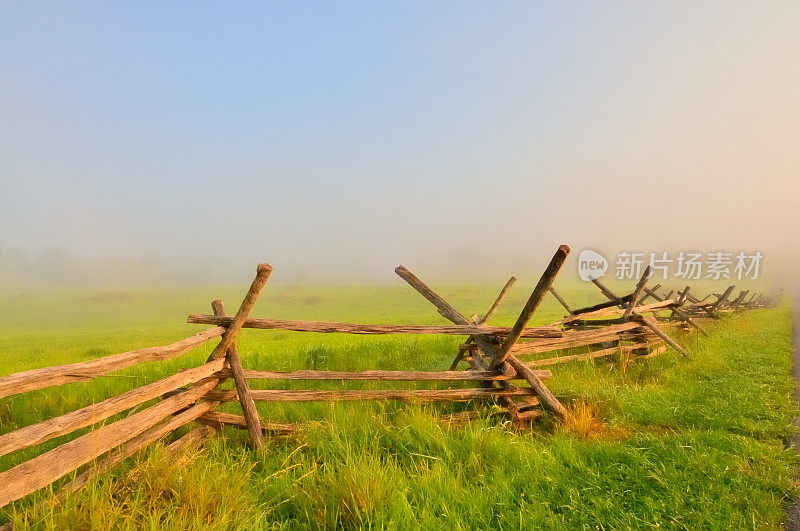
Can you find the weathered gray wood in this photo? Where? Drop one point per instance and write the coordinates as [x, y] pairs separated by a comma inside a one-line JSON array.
[[652, 325], [248, 406], [110, 460], [560, 299], [442, 306], [655, 352], [680, 313], [498, 301], [607, 312], [604, 305], [578, 357], [544, 284], [682, 295], [644, 297], [86, 416], [722, 298], [648, 322], [417, 395], [542, 391], [369, 329], [86, 370], [485, 345], [637, 294], [740, 298], [593, 324], [573, 338], [56, 463], [481, 320], [219, 419], [619, 301], [377, 375], [262, 274], [192, 440]]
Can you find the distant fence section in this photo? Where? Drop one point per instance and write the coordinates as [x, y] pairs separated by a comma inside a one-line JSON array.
[[506, 364]]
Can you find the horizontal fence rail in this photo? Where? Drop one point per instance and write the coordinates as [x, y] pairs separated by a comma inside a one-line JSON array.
[[86, 370], [348, 328]]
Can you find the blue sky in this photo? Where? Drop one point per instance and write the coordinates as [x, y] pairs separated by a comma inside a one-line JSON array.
[[337, 140]]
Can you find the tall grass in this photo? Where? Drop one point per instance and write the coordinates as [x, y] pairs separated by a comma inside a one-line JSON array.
[[669, 443]]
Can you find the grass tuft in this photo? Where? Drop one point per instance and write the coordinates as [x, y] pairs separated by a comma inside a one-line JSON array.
[[582, 421]]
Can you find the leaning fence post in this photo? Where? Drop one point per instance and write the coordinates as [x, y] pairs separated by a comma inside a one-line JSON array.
[[542, 287], [654, 288], [560, 299], [498, 301], [248, 405], [637, 293], [229, 337], [482, 320], [722, 298], [608, 293], [683, 315], [649, 323]]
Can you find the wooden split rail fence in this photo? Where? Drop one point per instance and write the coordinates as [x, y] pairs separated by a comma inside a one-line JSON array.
[[505, 363]]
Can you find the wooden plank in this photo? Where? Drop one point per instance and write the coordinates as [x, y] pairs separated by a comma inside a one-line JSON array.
[[578, 357], [653, 354], [683, 294], [648, 322], [573, 338], [60, 461], [652, 325], [542, 286], [498, 301], [442, 306], [379, 375], [603, 305], [722, 298], [481, 320], [544, 394], [86, 416], [680, 313], [236, 370], [740, 298], [219, 419], [644, 297], [327, 327], [86, 370], [637, 294], [110, 460], [560, 299], [192, 440], [232, 329], [419, 395], [652, 307], [610, 294]]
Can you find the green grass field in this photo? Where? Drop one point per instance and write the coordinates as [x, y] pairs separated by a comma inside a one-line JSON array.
[[673, 443]]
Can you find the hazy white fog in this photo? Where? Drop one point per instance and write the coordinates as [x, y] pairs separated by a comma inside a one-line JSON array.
[[148, 144]]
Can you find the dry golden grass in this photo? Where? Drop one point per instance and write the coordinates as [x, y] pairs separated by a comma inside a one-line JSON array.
[[583, 421]]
